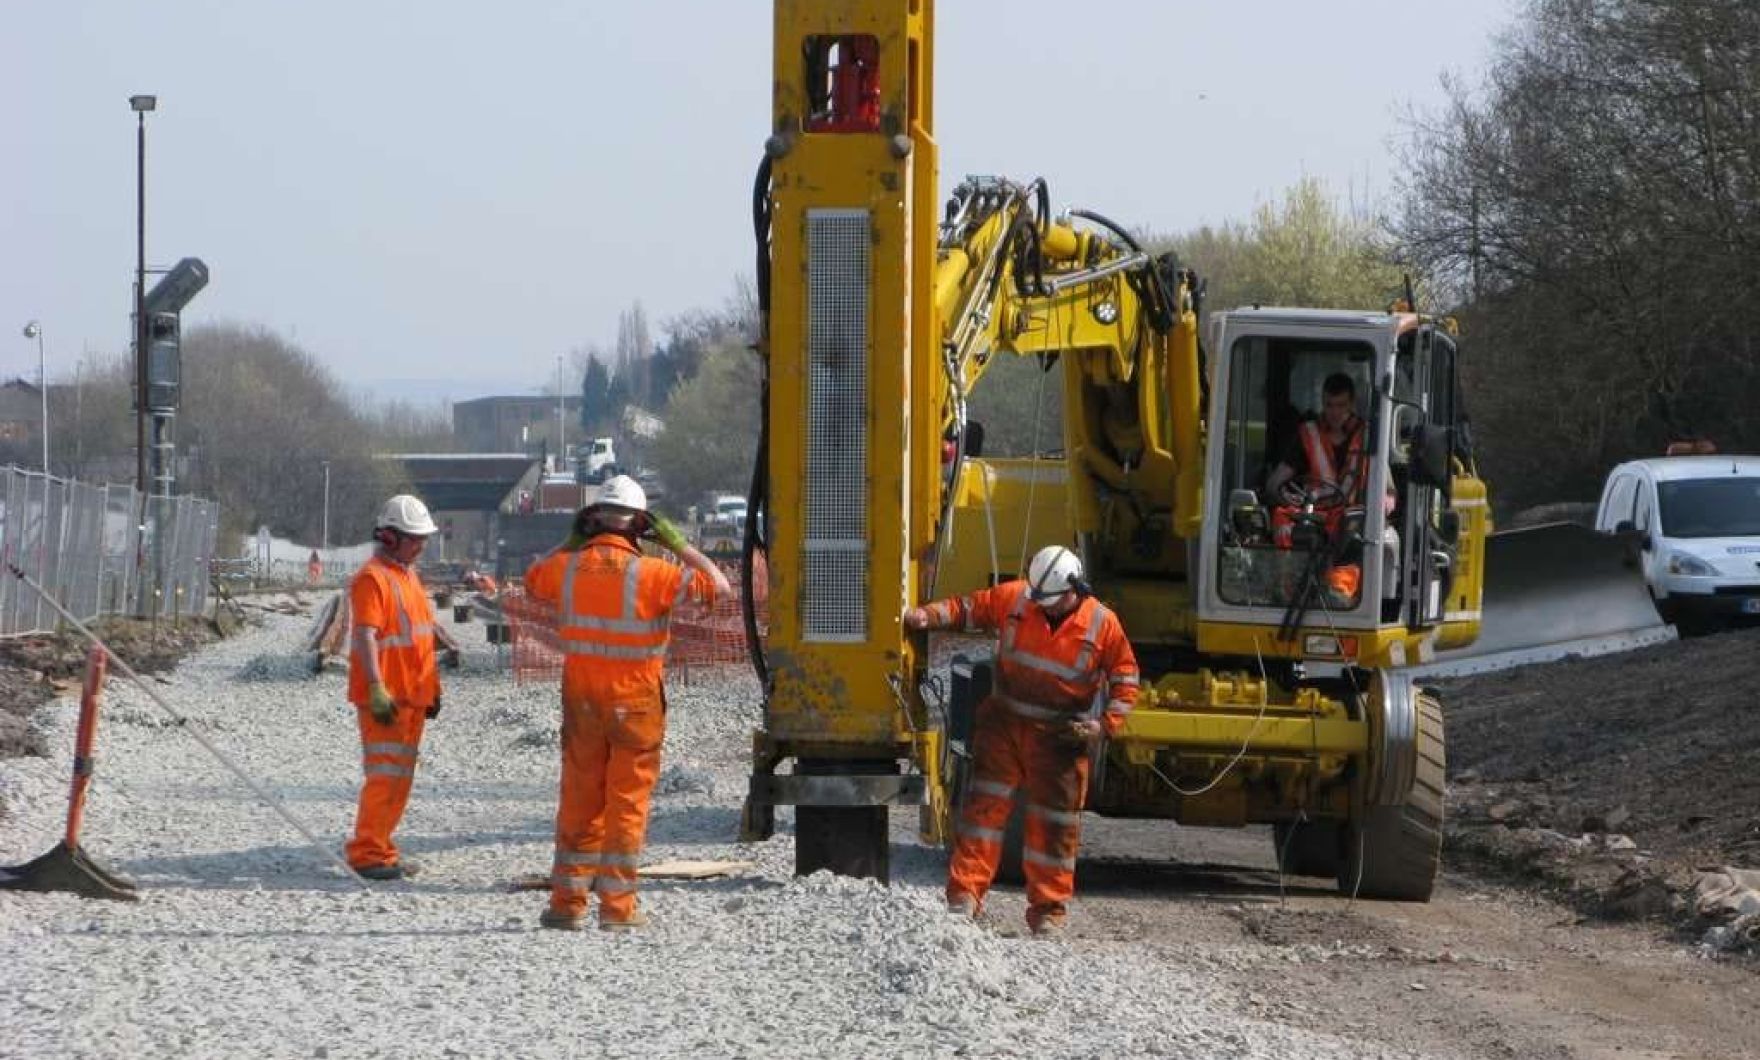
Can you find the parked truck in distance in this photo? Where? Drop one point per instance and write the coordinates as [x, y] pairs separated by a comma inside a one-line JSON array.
[[599, 461]]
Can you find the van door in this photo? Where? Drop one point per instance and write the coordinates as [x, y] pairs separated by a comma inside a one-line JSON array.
[[1652, 554]]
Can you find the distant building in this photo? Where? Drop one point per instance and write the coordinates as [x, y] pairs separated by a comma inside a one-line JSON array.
[[511, 424], [21, 411], [468, 493]]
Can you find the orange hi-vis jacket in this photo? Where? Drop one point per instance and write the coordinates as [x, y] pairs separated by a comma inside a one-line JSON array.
[[1347, 480], [1049, 673], [614, 610], [389, 597]]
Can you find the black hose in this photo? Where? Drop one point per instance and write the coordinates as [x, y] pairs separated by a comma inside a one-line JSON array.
[[758, 495], [1146, 281]]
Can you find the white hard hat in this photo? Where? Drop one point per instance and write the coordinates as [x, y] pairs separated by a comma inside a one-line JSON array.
[[406, 514], [623, 492], [1055, 570]]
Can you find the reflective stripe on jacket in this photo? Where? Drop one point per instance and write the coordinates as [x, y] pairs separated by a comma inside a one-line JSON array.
[[1045, 672], [390, 598], [1348, 480], [613, 616]]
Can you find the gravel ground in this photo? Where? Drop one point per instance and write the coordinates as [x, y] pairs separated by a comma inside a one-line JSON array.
[[248, 942]]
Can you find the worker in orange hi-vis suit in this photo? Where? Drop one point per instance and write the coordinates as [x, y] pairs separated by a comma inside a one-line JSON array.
[[613, 606], [1059, 652], [393, 680]]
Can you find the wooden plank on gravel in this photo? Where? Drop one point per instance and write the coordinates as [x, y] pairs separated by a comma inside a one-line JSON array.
[[665, 870]]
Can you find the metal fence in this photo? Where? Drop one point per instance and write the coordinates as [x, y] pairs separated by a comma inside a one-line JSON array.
[[87, 546]]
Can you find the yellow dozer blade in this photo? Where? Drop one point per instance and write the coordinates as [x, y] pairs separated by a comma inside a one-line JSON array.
[[1554, 590]]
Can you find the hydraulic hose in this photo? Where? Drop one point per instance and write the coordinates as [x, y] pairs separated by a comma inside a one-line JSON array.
[[1146, 282], [758, 496]]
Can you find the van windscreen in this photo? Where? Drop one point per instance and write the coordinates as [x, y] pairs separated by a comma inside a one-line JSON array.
[[1710, 507]]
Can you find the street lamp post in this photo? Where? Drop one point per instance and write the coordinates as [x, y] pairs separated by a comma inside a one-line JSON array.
[[324, 537], [34, 330], [140, 105]]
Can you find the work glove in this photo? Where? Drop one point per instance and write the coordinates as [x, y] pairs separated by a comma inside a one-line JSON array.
[[667, 534], [381, 705], [450, 659], [433, 708], [1081, 734]]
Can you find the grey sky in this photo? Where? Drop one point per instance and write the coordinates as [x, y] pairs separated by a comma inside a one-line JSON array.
[[460, 191]]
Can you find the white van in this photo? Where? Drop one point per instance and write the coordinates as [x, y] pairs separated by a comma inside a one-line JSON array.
[[1698, 521]]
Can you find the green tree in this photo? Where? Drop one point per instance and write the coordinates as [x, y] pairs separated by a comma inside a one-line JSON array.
[[596, 412], [259, 420], [1593, 210], [711, 434], [1305, 251]]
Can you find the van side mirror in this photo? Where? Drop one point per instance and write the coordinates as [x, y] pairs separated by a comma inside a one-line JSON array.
[[1628, 529]]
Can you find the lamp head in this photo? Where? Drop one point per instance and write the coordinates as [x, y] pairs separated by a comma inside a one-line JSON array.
[[32, 330], [142, 104]]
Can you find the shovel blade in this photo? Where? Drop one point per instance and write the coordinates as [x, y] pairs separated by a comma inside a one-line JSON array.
[[69, 869]]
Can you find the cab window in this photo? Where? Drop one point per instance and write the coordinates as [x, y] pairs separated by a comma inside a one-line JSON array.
[[1275, 386]]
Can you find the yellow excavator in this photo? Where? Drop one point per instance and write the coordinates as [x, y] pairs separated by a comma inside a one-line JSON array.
[[1274, 690]]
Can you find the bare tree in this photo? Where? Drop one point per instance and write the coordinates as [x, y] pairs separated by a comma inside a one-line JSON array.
[[1595, 212]]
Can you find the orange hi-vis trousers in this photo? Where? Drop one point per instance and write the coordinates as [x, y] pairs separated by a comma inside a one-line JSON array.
[[1012, 753], [610, 761], [388, 756]]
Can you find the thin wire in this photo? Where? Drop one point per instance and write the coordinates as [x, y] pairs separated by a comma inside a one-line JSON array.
[[1246, 742], [182, 720]]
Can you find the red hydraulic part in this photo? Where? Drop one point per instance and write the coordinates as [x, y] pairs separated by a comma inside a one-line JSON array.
[[843, 76]]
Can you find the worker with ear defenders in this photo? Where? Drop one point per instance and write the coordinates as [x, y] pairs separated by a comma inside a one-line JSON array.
[[393, 680], [613, 609], [1059, 651]]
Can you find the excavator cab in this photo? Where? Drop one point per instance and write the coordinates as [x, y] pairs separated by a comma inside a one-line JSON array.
[[1338, 538]]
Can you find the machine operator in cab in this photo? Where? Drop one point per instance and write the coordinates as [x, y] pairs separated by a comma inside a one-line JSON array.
[[1059, 653], [1322, 475]]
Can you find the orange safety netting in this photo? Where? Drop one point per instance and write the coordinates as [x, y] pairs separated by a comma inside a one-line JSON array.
[[699, 638]]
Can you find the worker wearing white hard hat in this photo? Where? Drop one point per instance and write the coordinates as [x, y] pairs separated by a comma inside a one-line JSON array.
[[393, 679], [613, 607], [1059, 653]]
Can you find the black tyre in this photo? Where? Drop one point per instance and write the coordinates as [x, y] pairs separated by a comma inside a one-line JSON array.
[[1308, 848], [1394, 852]]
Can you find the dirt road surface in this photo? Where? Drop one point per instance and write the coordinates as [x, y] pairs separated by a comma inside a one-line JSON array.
[[1481, 971]]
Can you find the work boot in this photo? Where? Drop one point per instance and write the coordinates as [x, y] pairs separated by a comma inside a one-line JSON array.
[[397, 870], [635, 920], [1049, 926], [963, 906], [562, 921]]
